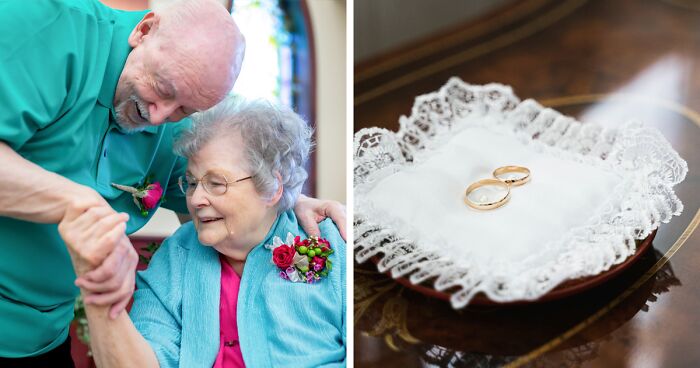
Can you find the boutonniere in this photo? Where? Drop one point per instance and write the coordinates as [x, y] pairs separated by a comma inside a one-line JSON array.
[[146, 196], [301, 260]]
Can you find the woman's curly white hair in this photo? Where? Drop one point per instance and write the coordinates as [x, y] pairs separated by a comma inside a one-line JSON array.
[[277, 141]]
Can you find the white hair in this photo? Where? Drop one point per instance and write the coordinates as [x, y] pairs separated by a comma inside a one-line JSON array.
[[276, 141]]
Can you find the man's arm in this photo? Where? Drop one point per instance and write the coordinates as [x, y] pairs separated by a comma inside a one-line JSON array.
[[29, 192], [32, 97]]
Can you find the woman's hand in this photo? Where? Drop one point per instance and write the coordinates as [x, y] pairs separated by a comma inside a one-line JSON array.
[[311, 211], [112, 283], [102, 255]]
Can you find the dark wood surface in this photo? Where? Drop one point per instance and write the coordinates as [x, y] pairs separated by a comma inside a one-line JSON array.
[[604, 61]]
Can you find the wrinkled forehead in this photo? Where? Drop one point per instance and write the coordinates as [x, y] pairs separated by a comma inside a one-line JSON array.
[[193, 81]]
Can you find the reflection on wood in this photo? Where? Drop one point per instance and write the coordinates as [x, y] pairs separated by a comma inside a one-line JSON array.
[[654, 271], [434, 332]]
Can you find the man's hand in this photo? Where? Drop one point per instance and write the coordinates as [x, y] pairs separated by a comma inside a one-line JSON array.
[[311, 211], [101, 253], [91, 234]]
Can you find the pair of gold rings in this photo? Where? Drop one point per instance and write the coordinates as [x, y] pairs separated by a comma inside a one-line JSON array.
[[504, 177]]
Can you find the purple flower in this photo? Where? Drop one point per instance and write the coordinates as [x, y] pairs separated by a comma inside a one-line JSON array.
[[292, 274], [310, 277], [284, 275]]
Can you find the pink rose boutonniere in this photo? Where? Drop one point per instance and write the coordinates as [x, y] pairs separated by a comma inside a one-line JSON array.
[[302, 260], [146, 196]]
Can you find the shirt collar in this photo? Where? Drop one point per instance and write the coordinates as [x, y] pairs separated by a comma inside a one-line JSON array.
[[123, 23]]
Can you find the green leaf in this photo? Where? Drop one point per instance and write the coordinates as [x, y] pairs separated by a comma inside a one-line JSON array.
[[151, 248], [143, 260]]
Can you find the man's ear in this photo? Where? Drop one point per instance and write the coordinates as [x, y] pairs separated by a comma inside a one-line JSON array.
[[144, 28]]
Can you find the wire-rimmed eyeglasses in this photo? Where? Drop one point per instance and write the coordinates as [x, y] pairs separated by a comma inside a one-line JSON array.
[[213, 183]]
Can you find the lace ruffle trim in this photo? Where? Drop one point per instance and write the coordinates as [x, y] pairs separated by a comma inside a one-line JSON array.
[[639, 204]]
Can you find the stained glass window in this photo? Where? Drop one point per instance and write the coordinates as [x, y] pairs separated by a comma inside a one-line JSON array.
[[278, 61], [267, 70]]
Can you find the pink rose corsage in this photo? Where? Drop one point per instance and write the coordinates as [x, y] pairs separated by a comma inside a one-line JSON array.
[[146, 196], [302, 260]]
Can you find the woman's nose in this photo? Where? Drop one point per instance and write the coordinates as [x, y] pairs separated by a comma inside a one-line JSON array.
[[199, 197]]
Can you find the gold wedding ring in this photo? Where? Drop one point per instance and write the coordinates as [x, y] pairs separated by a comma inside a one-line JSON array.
[[487, 205], [512, 169]]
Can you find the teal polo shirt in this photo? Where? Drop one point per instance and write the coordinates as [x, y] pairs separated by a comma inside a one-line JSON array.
[[59, 66]]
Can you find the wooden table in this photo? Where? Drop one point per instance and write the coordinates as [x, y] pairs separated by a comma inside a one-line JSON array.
[[604, 61]]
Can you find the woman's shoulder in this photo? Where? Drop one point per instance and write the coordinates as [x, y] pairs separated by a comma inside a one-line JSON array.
[[331, 232]]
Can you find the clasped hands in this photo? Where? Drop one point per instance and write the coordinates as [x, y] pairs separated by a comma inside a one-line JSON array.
[[103, 257]]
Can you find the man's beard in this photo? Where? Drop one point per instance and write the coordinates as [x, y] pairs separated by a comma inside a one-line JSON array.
[[125, 121]]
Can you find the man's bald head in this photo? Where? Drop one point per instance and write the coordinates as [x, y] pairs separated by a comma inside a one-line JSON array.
[[203, 26], [186, 57]]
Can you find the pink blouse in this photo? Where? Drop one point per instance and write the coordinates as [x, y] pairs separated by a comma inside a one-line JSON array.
[[229, 349]]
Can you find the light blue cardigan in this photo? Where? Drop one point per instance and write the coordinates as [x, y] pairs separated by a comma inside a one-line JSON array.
[[280, 323]]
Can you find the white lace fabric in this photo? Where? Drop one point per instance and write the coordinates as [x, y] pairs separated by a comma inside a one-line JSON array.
[[593, 192]]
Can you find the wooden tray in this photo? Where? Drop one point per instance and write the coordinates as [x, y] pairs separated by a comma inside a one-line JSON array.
[[564, 290]]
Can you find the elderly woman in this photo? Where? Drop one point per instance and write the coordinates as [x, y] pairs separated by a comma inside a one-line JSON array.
[[241, 284]]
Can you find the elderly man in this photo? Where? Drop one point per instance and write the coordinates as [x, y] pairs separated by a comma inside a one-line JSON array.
[[84, 93]]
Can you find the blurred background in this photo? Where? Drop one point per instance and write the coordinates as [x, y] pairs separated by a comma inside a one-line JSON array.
[[389, 25]]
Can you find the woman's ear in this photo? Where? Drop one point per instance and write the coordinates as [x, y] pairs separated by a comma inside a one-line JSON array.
[[278, 194], [143, 29]]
